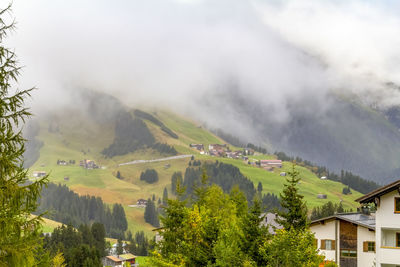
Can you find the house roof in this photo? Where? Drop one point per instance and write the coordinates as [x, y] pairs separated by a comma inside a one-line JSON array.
[[271, 160], [370, 197], [127, 256], [367, 221], [270, 220], [113, 258]]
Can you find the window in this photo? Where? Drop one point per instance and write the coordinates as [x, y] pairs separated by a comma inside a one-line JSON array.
[[327, 244], [398, 240], [348, 253], [369, 246], [397, 204]]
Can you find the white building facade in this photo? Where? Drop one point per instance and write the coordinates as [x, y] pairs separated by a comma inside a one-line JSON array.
[[387, 203], [346, 239]]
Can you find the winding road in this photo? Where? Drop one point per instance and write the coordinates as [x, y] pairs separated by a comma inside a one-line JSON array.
[[154, 160]]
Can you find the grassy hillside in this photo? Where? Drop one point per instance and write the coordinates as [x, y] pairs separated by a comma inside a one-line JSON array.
[[78, 137]]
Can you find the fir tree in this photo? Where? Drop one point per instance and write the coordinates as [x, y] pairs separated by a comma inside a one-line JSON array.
[[150, 214], [294, 213], [176, 177], [259, 187], [19, 233], [165, 196]]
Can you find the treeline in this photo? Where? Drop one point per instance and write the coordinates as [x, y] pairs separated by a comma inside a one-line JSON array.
[[328, 209], [224, 175], [132, 134], [347, 178], [147, 116], [227, 177], [68, 207], [164, 149], [84, 246]]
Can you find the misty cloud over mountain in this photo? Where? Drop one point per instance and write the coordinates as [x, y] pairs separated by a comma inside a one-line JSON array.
[[254, 68]]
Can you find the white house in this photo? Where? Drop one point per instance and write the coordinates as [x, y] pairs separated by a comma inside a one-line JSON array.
[[387, 203], [347, 239]]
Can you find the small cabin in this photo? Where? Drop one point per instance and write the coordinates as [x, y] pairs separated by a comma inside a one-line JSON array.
[[282, 174], [322, 196], [66, 178], [141, 202], [38, 174]]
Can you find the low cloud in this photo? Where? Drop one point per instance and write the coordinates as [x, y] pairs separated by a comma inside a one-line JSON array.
[[194, 55]]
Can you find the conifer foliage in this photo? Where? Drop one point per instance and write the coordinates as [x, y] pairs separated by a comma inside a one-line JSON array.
[[19, 233], [294, 212]]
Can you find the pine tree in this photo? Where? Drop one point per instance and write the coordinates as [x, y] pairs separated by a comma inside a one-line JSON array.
[[176, 177], [294, 213], [165, 196], [150, 214], [19, 233], [259, 187]]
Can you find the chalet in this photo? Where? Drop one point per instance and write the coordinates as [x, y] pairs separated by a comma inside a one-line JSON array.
[[38, 174], [218, 147], [271, 163], [112, 261], [347, 238], [199, 147], [322, 196], [88, 164], [120, 260], [282, 174], [141, 202], [387, 230]]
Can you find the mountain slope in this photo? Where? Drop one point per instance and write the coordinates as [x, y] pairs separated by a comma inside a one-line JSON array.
[[79, 136]]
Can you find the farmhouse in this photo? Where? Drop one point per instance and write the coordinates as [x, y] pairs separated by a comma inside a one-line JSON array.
[[387, 231], [199, 147], [271, 163], [347, 239], [120, 260]]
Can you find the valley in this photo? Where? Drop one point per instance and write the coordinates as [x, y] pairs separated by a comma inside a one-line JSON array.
[[79, 137]]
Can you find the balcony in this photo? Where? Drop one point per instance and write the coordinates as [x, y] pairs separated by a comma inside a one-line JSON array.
[[389, 252]]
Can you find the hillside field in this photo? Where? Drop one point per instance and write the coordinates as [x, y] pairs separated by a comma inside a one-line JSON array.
[[78, 140]]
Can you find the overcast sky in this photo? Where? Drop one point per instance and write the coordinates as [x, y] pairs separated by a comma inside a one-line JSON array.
[[175, 53]]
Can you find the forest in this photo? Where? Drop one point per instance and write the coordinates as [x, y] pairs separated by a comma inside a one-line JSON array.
[[347, 178], [132, 134], [63, 205]]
